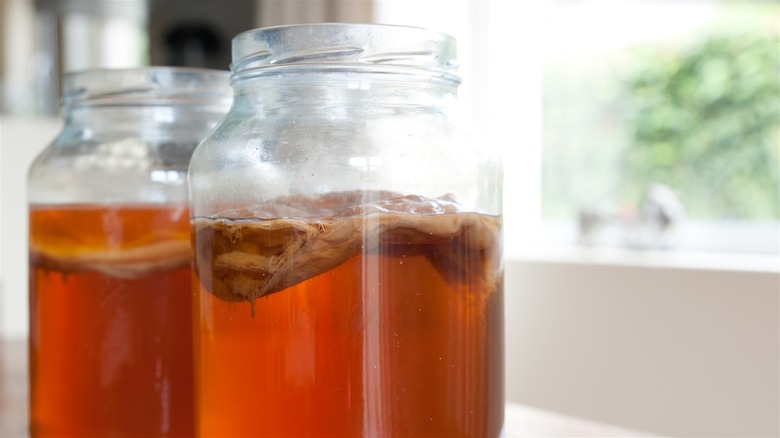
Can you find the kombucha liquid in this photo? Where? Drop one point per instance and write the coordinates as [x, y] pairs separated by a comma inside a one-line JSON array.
[[110, 321], [386, 324]]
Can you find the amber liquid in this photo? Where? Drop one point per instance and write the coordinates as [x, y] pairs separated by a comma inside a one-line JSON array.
[[404, 339], [110, 327]]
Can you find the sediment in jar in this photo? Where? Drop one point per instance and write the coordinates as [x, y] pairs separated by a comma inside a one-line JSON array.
[[243, 259]]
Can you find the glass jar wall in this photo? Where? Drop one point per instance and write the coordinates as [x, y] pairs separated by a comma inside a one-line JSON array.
[[110, 319], [349, 275]]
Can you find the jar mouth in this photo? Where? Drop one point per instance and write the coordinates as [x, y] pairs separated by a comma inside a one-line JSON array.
[[152, 86], [331, 47]]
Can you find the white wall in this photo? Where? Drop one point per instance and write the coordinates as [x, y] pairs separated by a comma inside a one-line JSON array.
[[678, 351], [21, 140]]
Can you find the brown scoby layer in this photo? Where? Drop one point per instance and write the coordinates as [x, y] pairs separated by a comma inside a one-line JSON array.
[[253, 257], [124, 263]]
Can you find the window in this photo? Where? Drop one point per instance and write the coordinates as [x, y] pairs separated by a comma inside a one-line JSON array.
[[651, 125], [650, 103]]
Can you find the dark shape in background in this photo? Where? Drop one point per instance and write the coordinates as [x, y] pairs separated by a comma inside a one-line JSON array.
[[192, 33]]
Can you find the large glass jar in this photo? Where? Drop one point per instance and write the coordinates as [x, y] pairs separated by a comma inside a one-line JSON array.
[[110, 255], [347, 243]]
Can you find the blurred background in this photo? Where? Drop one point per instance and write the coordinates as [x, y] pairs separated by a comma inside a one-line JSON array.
[[641, 141]]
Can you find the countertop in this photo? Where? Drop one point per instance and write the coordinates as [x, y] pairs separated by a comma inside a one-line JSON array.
[[520, 421]]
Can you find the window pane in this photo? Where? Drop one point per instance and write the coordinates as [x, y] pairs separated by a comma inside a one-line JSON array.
[[683, 94]]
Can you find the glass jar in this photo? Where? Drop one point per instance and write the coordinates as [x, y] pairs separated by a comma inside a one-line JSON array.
[[347, 240], [110, 255]]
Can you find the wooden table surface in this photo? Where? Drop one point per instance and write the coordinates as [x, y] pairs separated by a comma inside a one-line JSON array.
[[520, 421]]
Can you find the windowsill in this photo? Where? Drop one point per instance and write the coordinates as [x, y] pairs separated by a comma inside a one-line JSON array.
[[703, 245], [666, 259]]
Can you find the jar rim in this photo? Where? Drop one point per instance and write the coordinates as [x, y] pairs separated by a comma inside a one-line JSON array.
[[151, 85], [370, 48]]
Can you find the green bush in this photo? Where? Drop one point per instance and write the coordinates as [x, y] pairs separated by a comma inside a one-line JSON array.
[[706, 121], [702, 118]]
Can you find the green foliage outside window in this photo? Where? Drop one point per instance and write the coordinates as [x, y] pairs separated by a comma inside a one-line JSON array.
[[702, 118], [707, 122]]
